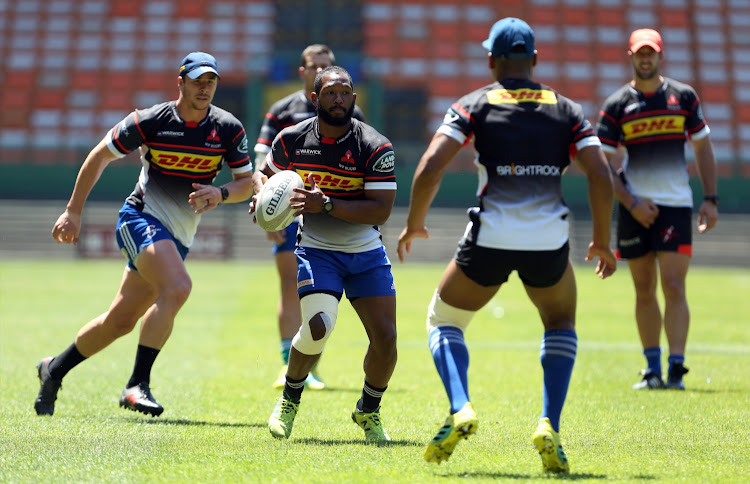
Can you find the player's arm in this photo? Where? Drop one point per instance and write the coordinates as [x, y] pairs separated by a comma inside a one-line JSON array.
[[68, 225], [373, 210], [424, 188], [240, 188], [705, 164], [643, 211], [262, 172], [623, 195], [259, 157], [594, 165]]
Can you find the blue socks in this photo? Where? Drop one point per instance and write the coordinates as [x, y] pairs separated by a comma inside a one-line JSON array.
[[653, 359], [675, 360], [452, 362], [557, 355]]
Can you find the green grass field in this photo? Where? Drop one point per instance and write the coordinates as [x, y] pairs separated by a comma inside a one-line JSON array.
[[214, 379]]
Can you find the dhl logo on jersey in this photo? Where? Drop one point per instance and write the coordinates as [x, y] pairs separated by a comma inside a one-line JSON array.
[[328, 181], [172, 160], [515, 96], [656, 125]]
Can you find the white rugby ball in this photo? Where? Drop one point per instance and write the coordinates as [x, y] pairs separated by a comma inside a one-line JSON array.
[[273, 210]]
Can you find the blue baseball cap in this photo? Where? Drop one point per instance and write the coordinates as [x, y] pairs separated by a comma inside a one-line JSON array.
[[195, 64], [508, 33]]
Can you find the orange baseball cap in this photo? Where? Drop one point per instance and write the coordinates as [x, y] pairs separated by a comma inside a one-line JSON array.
[[648, 37]]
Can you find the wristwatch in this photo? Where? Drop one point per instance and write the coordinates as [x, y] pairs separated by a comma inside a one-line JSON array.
[[712, 198], [224, 193], [327, 204]]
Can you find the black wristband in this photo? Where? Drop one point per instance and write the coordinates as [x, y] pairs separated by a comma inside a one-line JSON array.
[[712, 198]]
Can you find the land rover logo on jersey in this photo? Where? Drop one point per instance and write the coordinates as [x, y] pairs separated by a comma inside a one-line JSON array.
[[515, 96], [242, 148], [450, 117], [385, 163]]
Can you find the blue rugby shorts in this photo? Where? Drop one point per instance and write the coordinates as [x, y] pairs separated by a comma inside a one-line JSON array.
[[137, 230], [362, 274], [291, 238]]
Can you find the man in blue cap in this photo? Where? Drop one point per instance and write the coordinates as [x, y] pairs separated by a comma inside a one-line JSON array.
[[525, 134], [183, 145]]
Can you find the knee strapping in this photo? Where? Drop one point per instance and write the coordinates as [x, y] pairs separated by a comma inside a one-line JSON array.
[[324, 306], [440, 314]]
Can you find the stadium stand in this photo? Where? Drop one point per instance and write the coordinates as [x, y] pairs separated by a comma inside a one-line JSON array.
[[72, 68], [582, 51]]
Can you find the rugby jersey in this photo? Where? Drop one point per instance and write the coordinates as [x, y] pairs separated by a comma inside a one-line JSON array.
[[176, 154], [344, 168], [653, 128], [524, 135]]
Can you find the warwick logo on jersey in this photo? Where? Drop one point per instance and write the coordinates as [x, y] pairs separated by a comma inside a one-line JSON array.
[[528, 170], [307, 152], [515, 96], [655, 125]]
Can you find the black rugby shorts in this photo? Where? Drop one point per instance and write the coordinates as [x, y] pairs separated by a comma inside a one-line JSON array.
[[671, 232], [491, 267]]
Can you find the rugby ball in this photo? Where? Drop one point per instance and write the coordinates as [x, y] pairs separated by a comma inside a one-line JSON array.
[[273, 210]]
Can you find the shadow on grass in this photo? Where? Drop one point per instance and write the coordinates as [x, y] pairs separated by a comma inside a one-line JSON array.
[[530, 476], [329, 388], [192, 423], [347, 442]]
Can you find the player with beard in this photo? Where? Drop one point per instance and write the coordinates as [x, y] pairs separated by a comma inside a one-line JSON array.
[[286, 112], [652, 116], [350, 189]]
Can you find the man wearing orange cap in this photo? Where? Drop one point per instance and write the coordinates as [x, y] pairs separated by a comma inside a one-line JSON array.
[[652, 116]]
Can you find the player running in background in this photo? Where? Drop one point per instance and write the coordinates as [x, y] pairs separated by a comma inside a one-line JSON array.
[[350, 189], [523, 134], [284, 113], [650, 117], [183, 144]]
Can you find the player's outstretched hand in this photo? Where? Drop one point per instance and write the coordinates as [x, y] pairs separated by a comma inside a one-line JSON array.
[[404, 240], [67, 228], [607, 264]]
